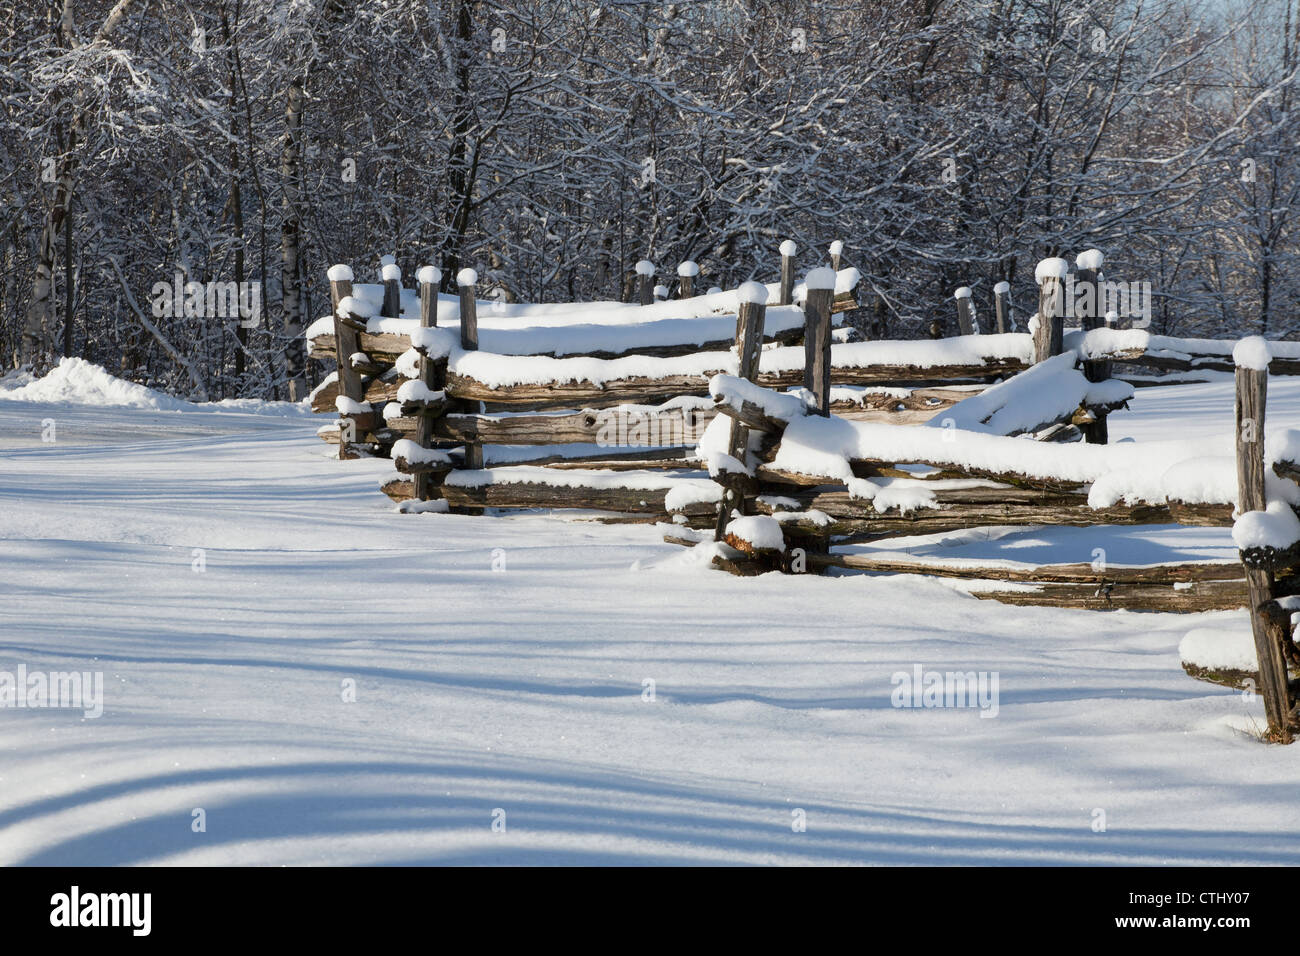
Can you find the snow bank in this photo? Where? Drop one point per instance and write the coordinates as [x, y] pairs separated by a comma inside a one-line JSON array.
[[75, 381]]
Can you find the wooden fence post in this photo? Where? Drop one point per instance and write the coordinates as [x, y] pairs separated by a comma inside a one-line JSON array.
[[392, 276], [346, 344], [1269, 627], [878, 328], [749, 349], [431, 373], [465, 280], [837, 254], [820, 284], [965, 311], [1086, 302], [686, 273], [789, 249], [645, 270], [1002, 305], [1048, 331]]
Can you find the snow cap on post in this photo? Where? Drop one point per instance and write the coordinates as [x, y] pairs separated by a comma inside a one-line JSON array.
[[1252, 352], [391, 272], [1090, 260], [1112, 317], [340, 273], [428, 275], [1051, 268], [661, 292], [645, 268], [466, 276], [837, 247], [962, 293], [789, 248], [752, 291], [821, 278], [714, 290], [1002, 288], [688, 268]]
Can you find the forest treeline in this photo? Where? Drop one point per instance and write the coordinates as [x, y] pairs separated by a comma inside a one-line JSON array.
[[148, 144]]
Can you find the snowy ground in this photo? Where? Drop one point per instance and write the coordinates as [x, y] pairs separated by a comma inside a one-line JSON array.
[[522, 689]]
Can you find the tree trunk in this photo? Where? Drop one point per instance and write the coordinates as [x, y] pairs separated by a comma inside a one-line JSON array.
[[290, 233], [38, 326], [38, 329]]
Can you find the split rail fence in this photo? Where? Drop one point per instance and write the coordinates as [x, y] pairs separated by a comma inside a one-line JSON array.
[[770, 439]]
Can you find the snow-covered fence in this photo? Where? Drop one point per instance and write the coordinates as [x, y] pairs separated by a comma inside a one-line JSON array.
[[486, 402], [815, 479], [769, 450], [818, 478], [1268, 533]]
